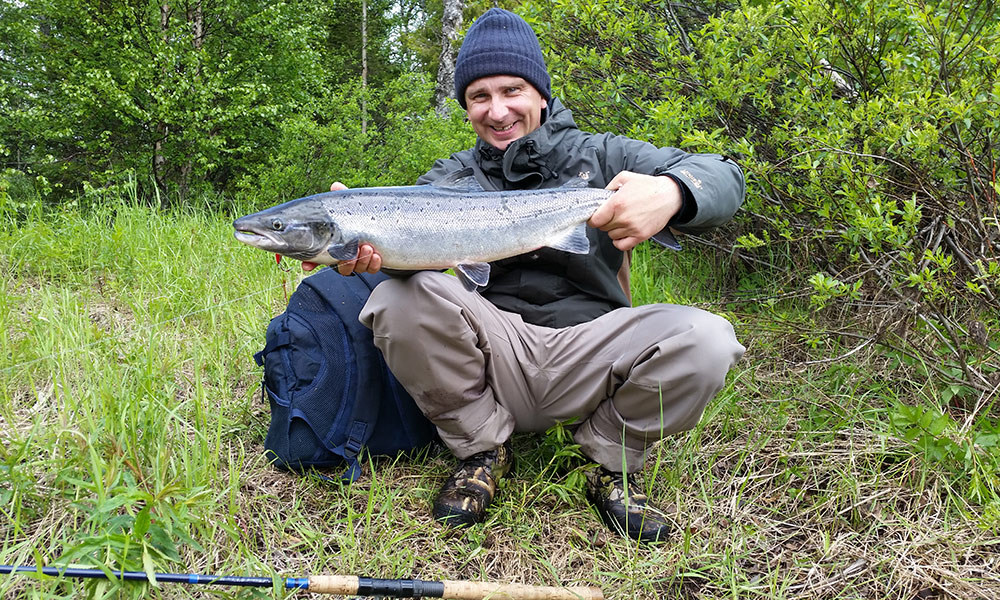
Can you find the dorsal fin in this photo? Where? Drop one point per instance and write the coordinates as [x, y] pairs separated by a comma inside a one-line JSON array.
[[461, 180]]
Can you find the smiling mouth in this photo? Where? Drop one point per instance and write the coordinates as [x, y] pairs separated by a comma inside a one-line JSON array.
[[504, 129]]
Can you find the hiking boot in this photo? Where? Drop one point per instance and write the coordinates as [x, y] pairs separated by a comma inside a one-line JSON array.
[[623, 507], [470, 490]]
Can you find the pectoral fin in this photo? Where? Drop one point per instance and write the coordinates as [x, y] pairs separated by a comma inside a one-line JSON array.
[[473, 275], [346, 251]]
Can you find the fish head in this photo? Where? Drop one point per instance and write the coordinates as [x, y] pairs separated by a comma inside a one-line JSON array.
[[300, 229]]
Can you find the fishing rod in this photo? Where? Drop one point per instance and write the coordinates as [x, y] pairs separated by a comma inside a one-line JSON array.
[[344, 585]]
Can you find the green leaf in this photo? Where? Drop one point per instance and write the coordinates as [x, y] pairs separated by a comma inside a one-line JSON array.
[[141, 524], [149, 566]]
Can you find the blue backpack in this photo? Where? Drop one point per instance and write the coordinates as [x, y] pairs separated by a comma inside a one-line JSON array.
[[330, 391]]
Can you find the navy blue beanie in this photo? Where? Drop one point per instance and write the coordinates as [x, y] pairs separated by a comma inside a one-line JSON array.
[[501, 43]]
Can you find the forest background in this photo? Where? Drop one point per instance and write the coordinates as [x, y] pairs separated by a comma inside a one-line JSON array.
[[854, 452]]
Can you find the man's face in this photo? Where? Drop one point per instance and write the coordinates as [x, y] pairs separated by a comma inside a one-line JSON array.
[[503, 108]]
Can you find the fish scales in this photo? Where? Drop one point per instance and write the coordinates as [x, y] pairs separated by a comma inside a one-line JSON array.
[[451, 223], [412, 232]]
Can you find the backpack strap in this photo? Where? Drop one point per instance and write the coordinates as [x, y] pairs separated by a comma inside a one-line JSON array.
[[359, 432], [365, 413], [354, 292], [279, 340]]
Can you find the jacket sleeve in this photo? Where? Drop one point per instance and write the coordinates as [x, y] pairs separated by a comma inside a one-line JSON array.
[[713, 185]]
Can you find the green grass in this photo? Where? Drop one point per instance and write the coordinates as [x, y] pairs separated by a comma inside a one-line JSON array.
[[131, 434]]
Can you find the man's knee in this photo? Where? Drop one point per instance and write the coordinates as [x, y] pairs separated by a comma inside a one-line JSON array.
[[401, 302], [417, 287], [703, 342], [714, 342]]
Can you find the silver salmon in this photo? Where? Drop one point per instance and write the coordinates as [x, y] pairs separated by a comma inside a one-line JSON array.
[[452, 223]]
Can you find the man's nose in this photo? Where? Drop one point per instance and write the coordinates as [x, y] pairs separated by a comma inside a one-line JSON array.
[[498, 109]]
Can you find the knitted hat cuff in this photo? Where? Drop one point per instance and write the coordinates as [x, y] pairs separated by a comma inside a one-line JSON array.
[[501, 63]]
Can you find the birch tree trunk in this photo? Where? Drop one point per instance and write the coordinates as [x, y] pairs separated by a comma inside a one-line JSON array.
[[451, 21], [196, 19], [162, 129], [364, 66]]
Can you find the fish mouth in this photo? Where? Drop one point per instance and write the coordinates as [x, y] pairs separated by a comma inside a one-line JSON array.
[[278, 242], [257, 239]]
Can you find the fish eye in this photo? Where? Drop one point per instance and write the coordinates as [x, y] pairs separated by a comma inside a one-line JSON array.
[[277, 225]]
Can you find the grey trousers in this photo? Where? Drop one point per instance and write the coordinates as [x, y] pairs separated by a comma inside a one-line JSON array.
[[629, 378]]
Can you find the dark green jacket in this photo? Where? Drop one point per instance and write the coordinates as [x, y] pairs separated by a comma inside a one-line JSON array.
[[557, 289]]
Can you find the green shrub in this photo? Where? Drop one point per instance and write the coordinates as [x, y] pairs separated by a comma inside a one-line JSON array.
[[18, 195], [402, 138], [867, 131]]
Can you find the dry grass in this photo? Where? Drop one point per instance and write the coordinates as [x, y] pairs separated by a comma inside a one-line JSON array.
[[761, 511]]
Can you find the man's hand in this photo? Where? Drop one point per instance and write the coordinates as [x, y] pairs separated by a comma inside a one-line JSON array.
[[368, 260], [641, 207]]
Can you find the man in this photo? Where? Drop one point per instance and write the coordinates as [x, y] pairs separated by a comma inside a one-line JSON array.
[[553, 338]]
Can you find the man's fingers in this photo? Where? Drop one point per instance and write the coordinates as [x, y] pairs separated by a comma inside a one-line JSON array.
[[624, 238], [365, 253], [367, 261], [604, 214], [627, 243], [609, 211], [622, 231], [337, 186], [376, 263], [346, 267], [618, 181]]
